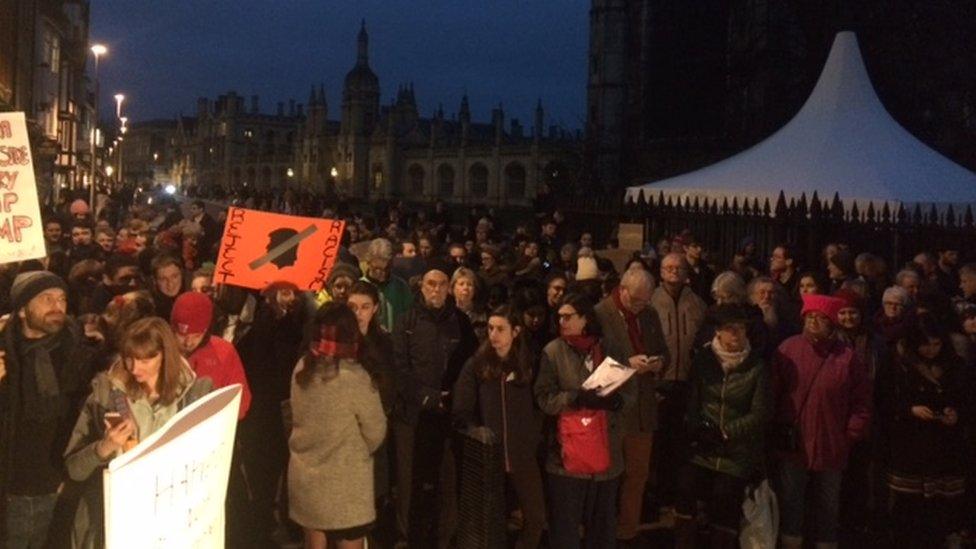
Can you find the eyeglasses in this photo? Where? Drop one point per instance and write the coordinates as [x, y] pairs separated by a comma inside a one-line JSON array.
[[566, 317]]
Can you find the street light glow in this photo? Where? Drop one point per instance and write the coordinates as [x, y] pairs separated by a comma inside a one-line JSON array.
[[119, 98], [99, 49], [170, 189], [334, 172]]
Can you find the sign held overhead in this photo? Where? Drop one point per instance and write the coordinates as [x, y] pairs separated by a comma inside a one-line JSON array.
[[259, 248], [21, 230]]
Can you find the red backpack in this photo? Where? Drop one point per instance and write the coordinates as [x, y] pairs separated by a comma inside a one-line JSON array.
[[585, 442]]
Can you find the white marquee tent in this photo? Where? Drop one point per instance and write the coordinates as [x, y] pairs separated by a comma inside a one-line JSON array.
[[842, 142]]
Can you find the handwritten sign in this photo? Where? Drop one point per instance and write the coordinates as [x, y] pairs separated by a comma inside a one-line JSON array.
[[21, 230], [169, 490], [259, 248]]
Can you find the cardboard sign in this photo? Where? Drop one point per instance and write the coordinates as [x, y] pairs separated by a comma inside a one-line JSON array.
[[169, 490], [630, 236], [21, 229], [259, 248]]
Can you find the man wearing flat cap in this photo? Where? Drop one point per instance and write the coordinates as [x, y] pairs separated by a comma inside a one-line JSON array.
[[44, 373]]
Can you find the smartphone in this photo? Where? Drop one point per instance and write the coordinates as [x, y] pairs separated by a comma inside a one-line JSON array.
[[113, 418]]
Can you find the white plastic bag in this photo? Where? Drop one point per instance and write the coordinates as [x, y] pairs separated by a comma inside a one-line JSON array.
[[760, 518]]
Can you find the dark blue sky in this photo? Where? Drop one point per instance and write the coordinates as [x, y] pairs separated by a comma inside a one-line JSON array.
[[165, 54]]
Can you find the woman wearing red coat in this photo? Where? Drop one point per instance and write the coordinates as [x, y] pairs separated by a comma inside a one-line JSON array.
[[822, 396]]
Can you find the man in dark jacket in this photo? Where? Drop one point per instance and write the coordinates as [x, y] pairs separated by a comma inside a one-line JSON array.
[[44, 374], [431, 343], [632, 336]]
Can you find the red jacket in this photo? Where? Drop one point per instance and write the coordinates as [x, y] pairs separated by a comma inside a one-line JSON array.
[[218, 360], [838, 409]]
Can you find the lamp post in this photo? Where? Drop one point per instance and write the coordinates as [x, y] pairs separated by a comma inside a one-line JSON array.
[[119, 98], [97, 50], [122, 129]]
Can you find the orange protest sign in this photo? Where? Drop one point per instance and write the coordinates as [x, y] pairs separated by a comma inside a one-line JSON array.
[[259, 248]]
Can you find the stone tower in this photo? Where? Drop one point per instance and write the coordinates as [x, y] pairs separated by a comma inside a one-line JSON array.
[[606, 95], [360, 110]]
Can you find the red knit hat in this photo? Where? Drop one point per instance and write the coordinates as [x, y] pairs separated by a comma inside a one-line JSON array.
[[191, 314], [824, 304]]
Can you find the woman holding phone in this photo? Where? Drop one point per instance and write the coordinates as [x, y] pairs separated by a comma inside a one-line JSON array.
[[137, 395]]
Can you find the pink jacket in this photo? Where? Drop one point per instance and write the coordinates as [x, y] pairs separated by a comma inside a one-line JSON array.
[[838, 409]]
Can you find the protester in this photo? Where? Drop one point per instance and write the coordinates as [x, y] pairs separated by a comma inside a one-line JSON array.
[[208, 355], [681, 313], [338, 422], [494, 393], [168, 282], [822, 405], [45, 367], [578, 494], [395, 295], [464, 290], [431, 343], [924, 400], [156, 382], [728, 408], [632, 335]]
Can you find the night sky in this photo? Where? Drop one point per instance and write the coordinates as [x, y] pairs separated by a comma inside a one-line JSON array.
[[165, 54]]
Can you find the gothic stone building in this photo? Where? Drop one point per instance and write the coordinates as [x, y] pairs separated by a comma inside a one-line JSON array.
[[373, 150]]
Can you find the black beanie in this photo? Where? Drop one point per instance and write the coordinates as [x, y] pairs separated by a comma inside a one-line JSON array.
[[27, 285]]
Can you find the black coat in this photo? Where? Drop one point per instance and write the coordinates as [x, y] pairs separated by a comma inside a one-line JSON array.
[[430, 347]]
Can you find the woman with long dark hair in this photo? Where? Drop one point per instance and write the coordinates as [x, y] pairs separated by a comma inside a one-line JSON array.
[[494, 394], [582, 478], [924, 402], [155, 382], [337, 424]]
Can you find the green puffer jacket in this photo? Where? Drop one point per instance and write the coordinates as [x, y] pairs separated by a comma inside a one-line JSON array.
[[739, 402]]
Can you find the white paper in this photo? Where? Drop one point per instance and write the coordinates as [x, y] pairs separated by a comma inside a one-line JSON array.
[[169, 490], [608, 377], [21, 229]]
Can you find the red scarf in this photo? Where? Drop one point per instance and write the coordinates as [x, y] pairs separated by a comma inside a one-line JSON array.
[[331, 344], [586, 345], [633, 324]]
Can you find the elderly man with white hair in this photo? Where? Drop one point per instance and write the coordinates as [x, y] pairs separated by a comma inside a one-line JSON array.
[[632, 335], [910, 281], [395, 295]]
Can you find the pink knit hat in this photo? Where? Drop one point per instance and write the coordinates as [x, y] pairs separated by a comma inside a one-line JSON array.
[[823, 304]]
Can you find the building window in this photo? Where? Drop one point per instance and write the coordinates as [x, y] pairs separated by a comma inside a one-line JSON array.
[[478, 177], [515, 180], [415, 175], [52, 50], [445, 180]]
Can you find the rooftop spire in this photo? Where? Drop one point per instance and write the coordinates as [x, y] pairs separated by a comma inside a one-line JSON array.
[[363, 57]]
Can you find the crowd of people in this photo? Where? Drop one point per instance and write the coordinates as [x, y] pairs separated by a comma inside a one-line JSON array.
[[846, 384]]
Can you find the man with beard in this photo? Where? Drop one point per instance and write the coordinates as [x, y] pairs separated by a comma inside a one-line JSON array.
[[168, 282], [269, 348], [44, 372], [121, 275], [431, 343], [780, 319]]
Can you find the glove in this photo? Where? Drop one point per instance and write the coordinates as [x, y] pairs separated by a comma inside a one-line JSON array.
[[708, 437], [593, 401]]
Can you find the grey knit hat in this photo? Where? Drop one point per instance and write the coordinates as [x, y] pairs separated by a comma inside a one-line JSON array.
[[27, 285], [343, 269]]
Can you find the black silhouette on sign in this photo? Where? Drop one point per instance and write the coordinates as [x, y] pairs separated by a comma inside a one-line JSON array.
[[283, 247]]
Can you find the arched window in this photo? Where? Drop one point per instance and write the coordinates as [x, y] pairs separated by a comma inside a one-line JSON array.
[[478, 176], [415, 175], [515, 180], [445, 180]]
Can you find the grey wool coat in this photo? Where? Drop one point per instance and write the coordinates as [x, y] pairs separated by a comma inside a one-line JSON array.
[[337, 425]]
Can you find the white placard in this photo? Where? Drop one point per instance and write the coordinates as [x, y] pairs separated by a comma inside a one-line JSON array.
[[608, 377], [21, 228], [169, 491]]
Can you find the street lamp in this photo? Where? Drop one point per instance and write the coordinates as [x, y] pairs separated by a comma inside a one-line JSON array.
[[119, 98], [122, 129], [97, 50]]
